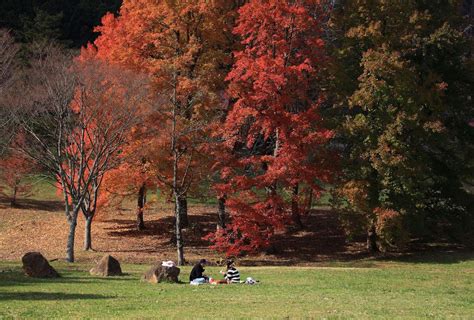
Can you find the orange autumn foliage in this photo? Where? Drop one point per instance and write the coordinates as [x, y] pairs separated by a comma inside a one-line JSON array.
[[186, 48], [14, 169]]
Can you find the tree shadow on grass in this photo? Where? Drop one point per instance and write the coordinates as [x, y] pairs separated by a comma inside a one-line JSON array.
[[31, 204], [128, 228], [433, 256], [133, 250], [16, 277], [199, 226], [322, 239], [88, 279], [49, 296]]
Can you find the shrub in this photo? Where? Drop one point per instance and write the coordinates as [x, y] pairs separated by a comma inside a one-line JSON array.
[[390, 230]]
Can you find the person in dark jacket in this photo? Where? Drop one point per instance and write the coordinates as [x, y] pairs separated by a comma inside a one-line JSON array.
[[197, 273]]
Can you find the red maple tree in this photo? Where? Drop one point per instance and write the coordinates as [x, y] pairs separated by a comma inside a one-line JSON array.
[[273, 131]]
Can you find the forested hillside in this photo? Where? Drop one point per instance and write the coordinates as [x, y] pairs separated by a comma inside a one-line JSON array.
[[71, 22]]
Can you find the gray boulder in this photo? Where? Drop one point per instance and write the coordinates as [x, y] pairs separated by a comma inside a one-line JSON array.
[[106, 267], [158, 273]]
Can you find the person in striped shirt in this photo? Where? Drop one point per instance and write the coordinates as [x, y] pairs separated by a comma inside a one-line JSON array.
[[232, 275]]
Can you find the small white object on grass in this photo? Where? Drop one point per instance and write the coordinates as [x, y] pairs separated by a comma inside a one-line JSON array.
[[250, 280], [168, 264]]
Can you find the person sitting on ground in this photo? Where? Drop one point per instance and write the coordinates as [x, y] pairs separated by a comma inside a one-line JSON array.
[[197, 273], [232, 275]]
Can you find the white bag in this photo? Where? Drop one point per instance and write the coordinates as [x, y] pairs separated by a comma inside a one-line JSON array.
[[168, 264], [250, 280]]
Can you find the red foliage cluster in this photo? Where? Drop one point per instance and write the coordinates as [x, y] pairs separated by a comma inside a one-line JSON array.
[[274, 130], [270, 144]]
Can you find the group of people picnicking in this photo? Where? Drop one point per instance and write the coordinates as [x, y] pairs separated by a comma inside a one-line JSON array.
[[231, 274]]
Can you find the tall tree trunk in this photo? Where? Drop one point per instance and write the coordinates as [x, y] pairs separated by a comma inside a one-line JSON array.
[[13, 199], [310, 200], [140, 207], [295, 212], [87, 233], [272, 190], [70, 239], [183, 211], [177, 190], [178, 232], [221, 215], [372, 239]]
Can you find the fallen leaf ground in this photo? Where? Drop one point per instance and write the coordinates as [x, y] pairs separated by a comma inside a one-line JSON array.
[[41, 226]]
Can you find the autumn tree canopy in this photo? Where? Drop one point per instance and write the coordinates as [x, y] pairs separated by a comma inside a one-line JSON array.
[[261, 104], [405, 101], [74, 119], [273, 130], [185, 47]]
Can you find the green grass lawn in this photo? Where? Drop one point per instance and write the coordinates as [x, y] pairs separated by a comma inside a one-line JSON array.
[[431, 287]]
